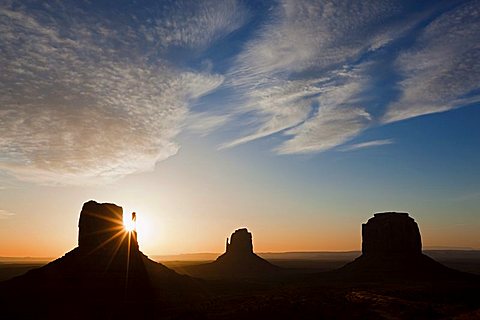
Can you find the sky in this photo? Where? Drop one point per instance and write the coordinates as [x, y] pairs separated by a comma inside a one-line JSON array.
[[297, 119]]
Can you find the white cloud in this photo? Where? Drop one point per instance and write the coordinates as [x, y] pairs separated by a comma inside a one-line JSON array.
[[275, 73], [203, 123], [330, 127], [367, 144], [198, 23], [80, 103], [88, 97], [278, 105], [442, 70], [338, 119], [305, 34], [4, 214]]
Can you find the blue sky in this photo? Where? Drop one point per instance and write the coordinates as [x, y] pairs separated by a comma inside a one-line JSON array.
[[358, 102]]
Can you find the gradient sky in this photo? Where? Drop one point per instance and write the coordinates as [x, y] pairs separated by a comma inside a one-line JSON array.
[[297, 119]]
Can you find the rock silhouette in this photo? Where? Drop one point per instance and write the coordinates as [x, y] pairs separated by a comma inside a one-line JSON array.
[[100, 225], [391, 233], [238, 261], [107, 268], [108, 277], [392, 249], [240, 243]]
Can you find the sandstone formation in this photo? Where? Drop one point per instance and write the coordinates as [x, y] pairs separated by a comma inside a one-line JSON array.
[[238, 261], [100, 229], [240, 243], [392, 249], [104, 246], [391, 233]]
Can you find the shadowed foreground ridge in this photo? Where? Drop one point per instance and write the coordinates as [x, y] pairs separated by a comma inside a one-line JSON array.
[[238, 261], [106, 269], [392, 249]]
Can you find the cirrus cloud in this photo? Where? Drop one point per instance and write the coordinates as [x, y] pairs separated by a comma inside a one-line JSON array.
[[442, 70], [277, 72], [309, 56], [79, 104], [367, 144], [90, 94]]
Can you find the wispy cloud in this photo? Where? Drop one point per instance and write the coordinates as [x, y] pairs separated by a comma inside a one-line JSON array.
[[442, 70], [368, 144], [203, 123], [277, 72], [196, 24], [4, 214], [89, 96], [278, 105], [305, 34], [330, 127], [85, 99]]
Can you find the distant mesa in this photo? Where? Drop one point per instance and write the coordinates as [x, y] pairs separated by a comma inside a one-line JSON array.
[[238, 261], [241, 243], [392, 249]]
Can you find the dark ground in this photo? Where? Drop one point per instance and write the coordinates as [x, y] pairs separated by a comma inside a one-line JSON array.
[[462, 260], [304, 292]]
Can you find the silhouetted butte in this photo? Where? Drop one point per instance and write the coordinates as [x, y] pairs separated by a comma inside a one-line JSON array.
[[238, 261], [100, 278], [392, 249]]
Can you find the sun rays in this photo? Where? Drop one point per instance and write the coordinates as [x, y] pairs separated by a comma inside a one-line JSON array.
[[118, 243], [130, 223]]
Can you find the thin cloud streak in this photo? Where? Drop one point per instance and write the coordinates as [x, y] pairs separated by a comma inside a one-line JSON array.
[[368, 144], [204, 123], [4, 214], [330, 127]]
